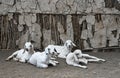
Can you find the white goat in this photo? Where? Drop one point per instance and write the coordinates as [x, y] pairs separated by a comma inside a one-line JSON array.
[[23, 55], [73, 59], [77, 56], [89, 57], [42, 59], [65, 49]]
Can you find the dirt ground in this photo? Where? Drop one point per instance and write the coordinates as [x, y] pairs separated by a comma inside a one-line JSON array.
[[108, 69]]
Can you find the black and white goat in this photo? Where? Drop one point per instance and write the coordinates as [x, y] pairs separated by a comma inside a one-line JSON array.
[[65, 49], [43, 59]]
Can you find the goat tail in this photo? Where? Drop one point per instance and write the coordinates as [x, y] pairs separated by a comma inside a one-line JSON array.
[[11, 56]]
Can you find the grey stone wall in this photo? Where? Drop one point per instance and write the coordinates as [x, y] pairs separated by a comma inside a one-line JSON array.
[[60, 6], [89, 23]]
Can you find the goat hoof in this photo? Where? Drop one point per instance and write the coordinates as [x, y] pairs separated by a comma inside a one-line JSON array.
[[6, 59], [85, 67]]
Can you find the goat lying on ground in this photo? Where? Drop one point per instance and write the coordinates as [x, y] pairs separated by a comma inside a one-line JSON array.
[[42, 59], [73, 59], [54, 54], [65, 49], [23, 55], [78, 57], [89, 57]]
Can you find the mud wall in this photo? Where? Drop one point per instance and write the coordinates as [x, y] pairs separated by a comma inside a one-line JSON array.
[[89, 23]]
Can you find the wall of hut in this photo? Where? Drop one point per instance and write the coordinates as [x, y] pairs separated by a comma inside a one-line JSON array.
[[88, 23]]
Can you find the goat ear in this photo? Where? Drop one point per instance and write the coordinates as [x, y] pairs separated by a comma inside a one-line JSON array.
[[55, 50], [24, 50], [65, 44], [32, 41], [48, 50], [73, 44]]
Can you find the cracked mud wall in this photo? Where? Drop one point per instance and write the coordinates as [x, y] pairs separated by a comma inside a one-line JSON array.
[[89, 23]]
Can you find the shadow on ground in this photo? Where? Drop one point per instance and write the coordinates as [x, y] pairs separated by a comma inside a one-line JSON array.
[[108, 69]]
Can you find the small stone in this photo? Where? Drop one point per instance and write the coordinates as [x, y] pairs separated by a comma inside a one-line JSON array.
[[90, 19], [20, 28]]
